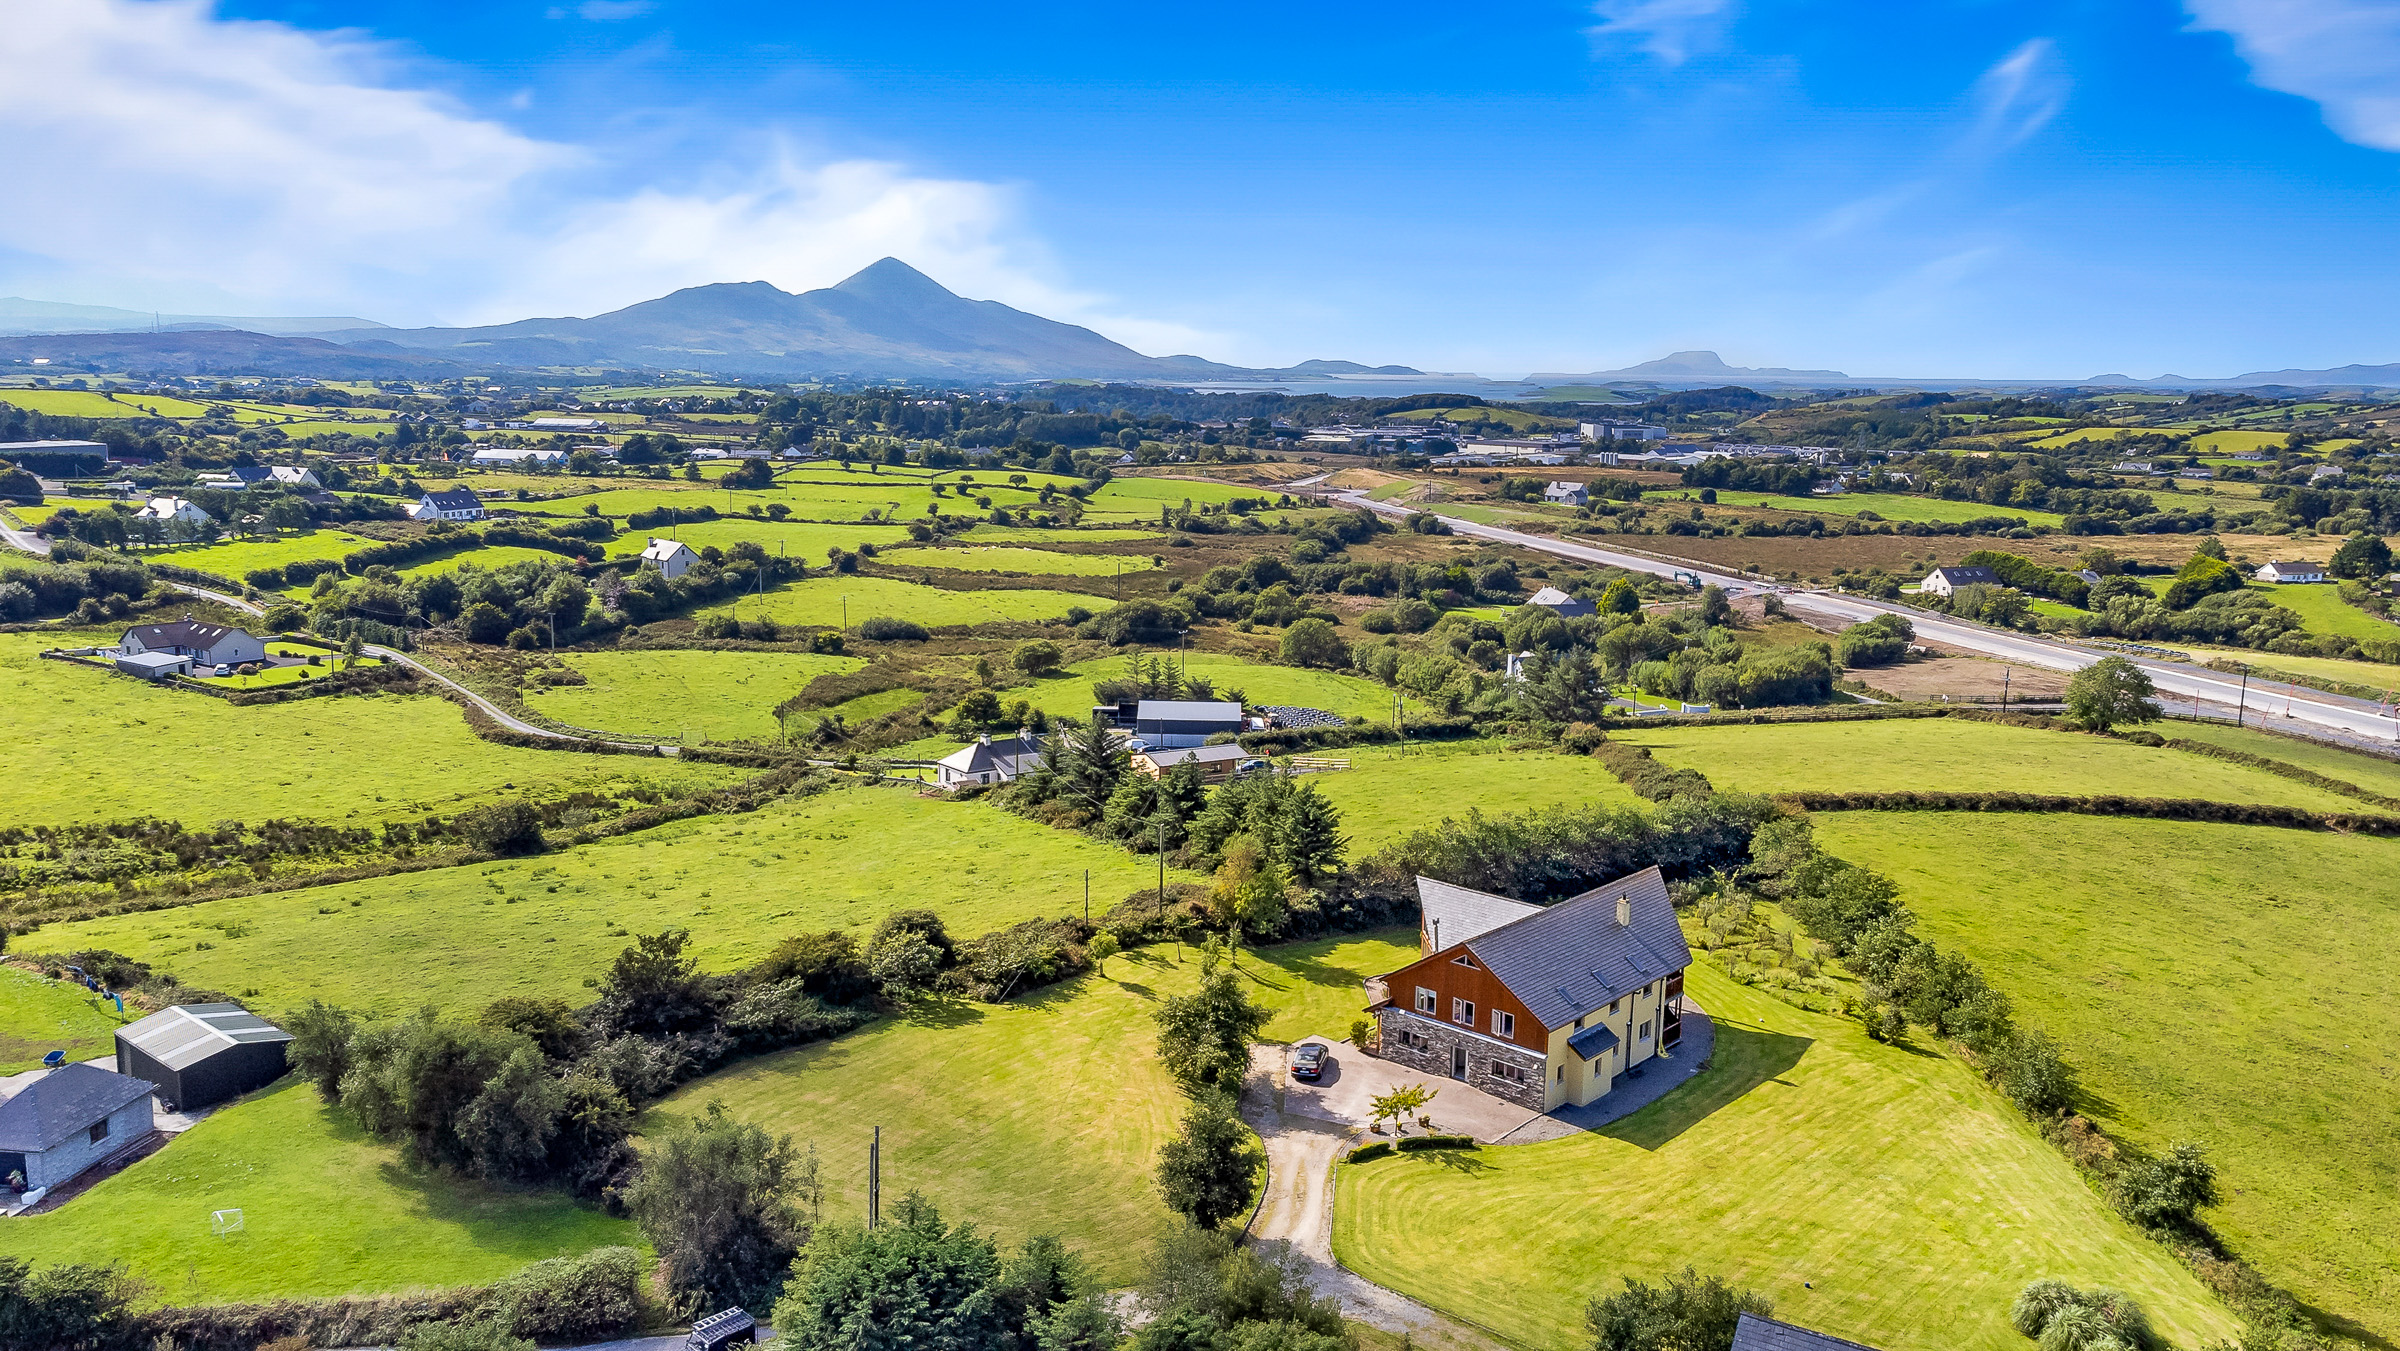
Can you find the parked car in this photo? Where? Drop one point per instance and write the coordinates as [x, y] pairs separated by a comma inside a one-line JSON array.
[[1252, 766], [1309, 1061]]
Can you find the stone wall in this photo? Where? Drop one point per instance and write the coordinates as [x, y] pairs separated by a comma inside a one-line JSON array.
[[1425, 1045], [64, 1161]]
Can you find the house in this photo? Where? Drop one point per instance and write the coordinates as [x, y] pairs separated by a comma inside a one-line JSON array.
[[2323, 472], [297, 477], [448, 504], [989, 761], [178, 514], [1754, 1333], [1620, 431], [569, 424], [204, 644], [1169, 723], [1542, 1005], [197, 1055], [2197, 471], [1947, 581], [674, 558], [154, 665], [62, 1123], [1561, 604], [2292, 572], [1216, 762], [240, 476], [542, 457], [2133, 467], [1567, 494]]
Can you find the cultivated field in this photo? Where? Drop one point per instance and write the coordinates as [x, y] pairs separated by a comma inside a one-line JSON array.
[[684, 695]]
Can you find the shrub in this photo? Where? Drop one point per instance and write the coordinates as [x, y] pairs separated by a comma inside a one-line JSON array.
[[504, 828], [1416, 1142], [265, 579], [2062, 1318], [463, 1337], [2167, 1193], [1375, 1150], [1686, 1312], [885, 629]]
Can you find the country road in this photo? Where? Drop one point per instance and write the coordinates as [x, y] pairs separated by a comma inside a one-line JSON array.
[[2309, 712]]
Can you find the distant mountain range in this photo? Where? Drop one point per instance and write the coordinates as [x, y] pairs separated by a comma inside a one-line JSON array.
[[888, 321]]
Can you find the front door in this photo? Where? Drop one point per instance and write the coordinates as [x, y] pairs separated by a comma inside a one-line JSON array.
[[1458, 1062]]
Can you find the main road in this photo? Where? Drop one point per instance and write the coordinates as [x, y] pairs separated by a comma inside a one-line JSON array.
[[2310, 712]]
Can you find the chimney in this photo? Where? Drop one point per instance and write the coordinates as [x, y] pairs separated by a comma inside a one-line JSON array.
[[1624, 912], [985, 739]]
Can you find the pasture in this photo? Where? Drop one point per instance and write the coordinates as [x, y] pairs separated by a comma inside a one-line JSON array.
[[988, 533], [1386, 794], [683, 695], [811, 540], [1857, 1184], [2322, 610], [1041, 1114], [489, 558], [461, 937], [39, 1015], [1003, 559], [85, 403], [1889, 506], [1070, 695], [327, 1210], [231, 558], [2375, 773], [2228, 984], [820, 602]]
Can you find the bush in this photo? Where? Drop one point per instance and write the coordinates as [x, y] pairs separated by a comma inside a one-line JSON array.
[[885, 629], [1416, 1142], [2063, 1318], [1375, 1150], [572, 1299], [463, 1337], [504, 828], [2166, 1193], [1313, 642], [265, 579]]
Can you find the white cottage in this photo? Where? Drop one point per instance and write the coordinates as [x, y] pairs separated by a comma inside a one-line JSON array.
[[673, 557]]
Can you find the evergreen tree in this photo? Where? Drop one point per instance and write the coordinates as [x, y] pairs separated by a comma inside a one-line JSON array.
[[726, 1206], [1309, 842], [1207, 1173], [1204, 1037]]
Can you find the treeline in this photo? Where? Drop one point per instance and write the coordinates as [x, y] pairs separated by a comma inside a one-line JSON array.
[[93, 587]]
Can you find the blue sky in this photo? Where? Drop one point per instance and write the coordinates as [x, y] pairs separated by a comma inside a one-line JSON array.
[[2020, 189]]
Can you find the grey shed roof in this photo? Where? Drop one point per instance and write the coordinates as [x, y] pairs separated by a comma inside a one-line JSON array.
[[183, 1036], [1753, 1333], [1573, 957], [1166, 759], [63, 1104], [1187, 710], [1459, 915]]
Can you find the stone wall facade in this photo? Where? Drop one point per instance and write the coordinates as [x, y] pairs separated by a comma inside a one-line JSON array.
[[64, 1161], [1428, 1045]]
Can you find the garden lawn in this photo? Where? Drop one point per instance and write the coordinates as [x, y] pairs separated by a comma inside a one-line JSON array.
[[2375, 773], [710, 696], [326, 1210], [1890, 506], [39, 1015], [1386, 794], [1957, 755], [818, 601], [1045, 1113], [810, 540], [2225, 984], [73, 731], [462, 937], [1888, 1178], [1008, 560]]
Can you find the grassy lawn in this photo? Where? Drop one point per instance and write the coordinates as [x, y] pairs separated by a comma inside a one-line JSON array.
[[286, 675], [490, 558], [232, 558], [2229, 984], [326, 1211], [462, 937], [1890, 506], [39, 1015], [1385, 794], [1888, 1177], [1290, 686], [1955, 755], [718, 696], [2227, 443], [1005, 559], [86, 403], [71, 731], [819, 601], [2371, 674], [1042, 1113], [987, 533], [2323, 610], [2375, 773], [800, 539]]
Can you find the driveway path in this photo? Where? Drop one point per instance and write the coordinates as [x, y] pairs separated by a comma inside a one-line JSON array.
[[24, 540]]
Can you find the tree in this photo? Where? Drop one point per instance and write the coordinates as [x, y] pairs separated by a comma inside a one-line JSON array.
[[1400, 1104], [1687, 1312], [2167, 1192], [63, 1305], [1204, 1037], [2111, 691], [907, 952], [1038, 657], [2204, 574], [912, 1283], [1714, 608], [2363, 556], [1248, 894], [352, 650], [320, 1045], [653, 988], [726, 1206], [1619, 598], [1102, 947], [1313, 642], [1208, 1171], [1309, 841]]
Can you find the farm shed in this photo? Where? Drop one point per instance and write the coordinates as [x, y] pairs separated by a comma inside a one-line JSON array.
[[199, 1054], [154, 665], [67, 1120], [1184, 722]]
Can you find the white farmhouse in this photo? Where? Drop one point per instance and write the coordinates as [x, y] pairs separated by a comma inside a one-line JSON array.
[[673, 557], [181, 519], [989, 761], [2286, 573], [448, 504], [205, 644]]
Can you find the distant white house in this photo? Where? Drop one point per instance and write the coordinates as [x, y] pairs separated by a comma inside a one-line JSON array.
[[568, 424], [2197, 471], [1567, 494], [2292, 572], [1946, 581], [448, 504], [2325, 471], [1561, 604], [989, 761], [544, 457], [204, 644], [181, 519], [673, 557]]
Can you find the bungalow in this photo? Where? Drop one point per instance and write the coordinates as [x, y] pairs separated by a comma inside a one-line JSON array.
[[1754, 1333], [1216, 762], [1567, 494], [62, 1123], [673, 557], [205, 644], [1169, 723], [1561, 604], [178, 514], [1542, 1005], [540, 457], [989, 761], [297, 476], [1947, 581], [2292, 572], [2325, 471], [448, 504]]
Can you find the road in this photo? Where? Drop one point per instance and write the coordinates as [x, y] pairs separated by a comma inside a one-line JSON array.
[[24, 540], [2309, 712]]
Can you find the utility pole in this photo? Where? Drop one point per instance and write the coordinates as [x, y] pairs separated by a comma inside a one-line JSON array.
[[1087, 895], [2245, 699], [2005, 673], [1161, 823], [875, 1180], [845, 613]]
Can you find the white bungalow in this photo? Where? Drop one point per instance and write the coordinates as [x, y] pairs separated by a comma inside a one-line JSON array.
[[673, 557]]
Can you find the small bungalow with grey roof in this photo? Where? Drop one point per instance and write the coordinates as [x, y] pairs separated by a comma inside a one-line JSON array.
[[448, 504], [673, 557], [69, 1119], [2287, 573], [989, 761], [1567, 494], [1214, 762], [1947, 581], [1541, 1005], [205, 644], [1561, 604]]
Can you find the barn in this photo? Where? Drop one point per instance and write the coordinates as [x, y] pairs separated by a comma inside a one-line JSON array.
[[200, 1054]]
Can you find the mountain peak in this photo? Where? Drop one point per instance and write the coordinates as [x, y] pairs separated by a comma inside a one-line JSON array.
[[890, 281]]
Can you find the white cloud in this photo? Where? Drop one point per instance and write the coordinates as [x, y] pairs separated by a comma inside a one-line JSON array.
[[2020, 93], [1671, 30], [185, 160], [2343, 55]]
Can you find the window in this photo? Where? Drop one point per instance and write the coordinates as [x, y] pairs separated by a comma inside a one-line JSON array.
[[1562, 1074], [1579, 1022], [1612, 1006], [1645, 992], [1427, 1001], [1645, 1029], [1504, 1024], [1506, 1071], [100, 1131], [1462, 1012], [1464, 960]]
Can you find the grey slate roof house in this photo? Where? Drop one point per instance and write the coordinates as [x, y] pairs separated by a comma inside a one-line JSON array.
[[1946, 581], [448, 504], [1753, 1333], [2289, 573], [1542, 1005], [205, 644], [989, 761], [69, 1119], [1567, 494], [1561, 604], [201, 1054]]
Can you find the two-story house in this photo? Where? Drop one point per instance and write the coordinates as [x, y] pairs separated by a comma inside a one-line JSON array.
[[1542, 1005]]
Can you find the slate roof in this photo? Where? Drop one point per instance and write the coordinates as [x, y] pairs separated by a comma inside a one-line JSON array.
[[189, 633], [987, 757], [1573, 957], [1460, 915], [1166, 759], [186, 1034], [2297, 569], [1551, 595], [1964, 576], [453, 499], [1591, 1041], [249, 473], [1188, 710], [1753, 1333], [63, 1104], [660, 550]]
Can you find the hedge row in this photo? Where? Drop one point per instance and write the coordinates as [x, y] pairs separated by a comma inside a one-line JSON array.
[[195, 577], [2151, 808], [490, 729], [1292, 739], [2286, 769], [402, 552], [395, 677], [1409, 1144], [1642, 773]]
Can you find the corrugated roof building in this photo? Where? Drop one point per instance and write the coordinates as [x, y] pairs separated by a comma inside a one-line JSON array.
[[199, 1054]]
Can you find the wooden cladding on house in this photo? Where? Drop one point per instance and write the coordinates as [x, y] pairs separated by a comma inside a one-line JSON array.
[[1451, 982]]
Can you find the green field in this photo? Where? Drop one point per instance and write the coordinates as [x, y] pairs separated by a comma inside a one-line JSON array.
[[39, 1015], [1070, 695], [2375, 773], [684, 695], [1890, 1180], [1004, 559], [85, 403], [1386, 794], [462, 937], [2372, 675], [2323, 610], [232, 558], [326, 1211], [1042, 1113], [1956, 755], [489, 558], [987, 533], [819, 601], [2059, 440], [72, 731], [1890, 506], [2229, 984], [2227, 443], [810, 540]]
